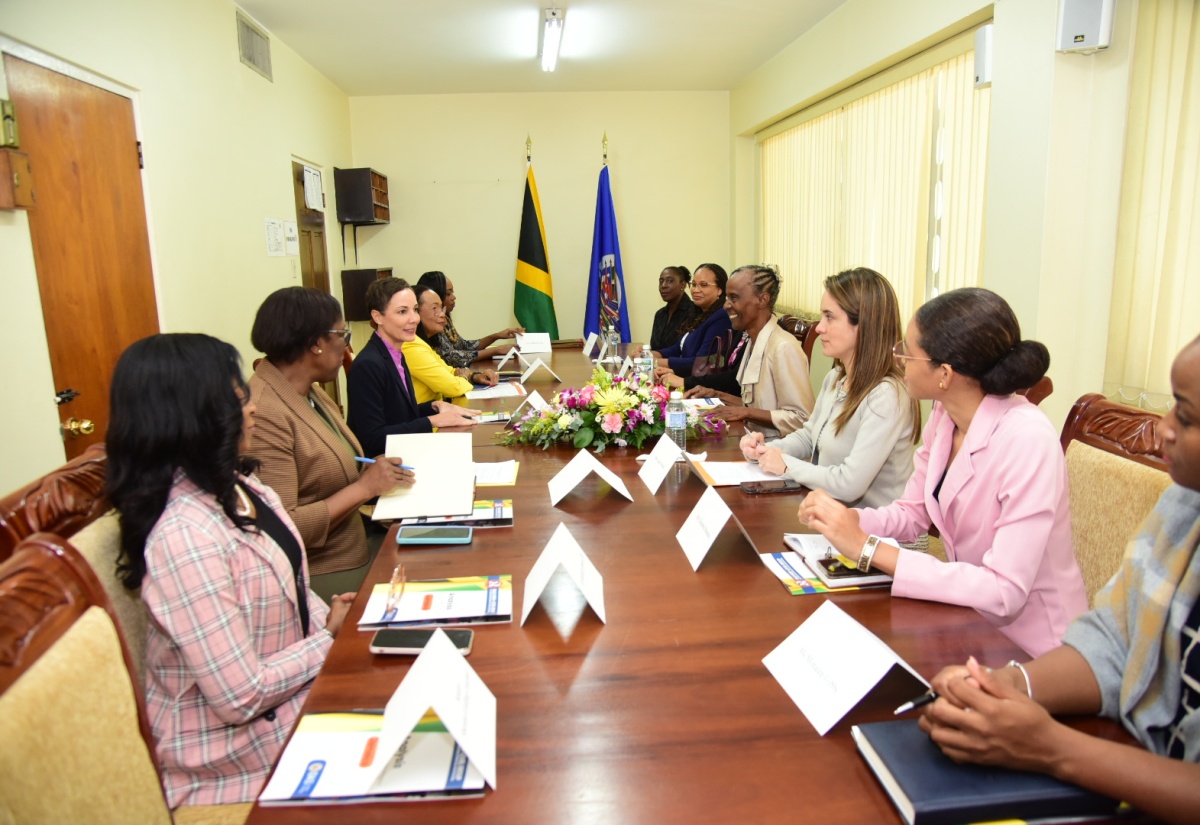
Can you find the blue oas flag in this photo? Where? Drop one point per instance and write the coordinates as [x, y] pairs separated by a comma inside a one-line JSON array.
[[606, 303], [533, 298]]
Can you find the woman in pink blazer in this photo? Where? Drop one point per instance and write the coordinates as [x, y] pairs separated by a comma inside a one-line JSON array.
[[990, 476]]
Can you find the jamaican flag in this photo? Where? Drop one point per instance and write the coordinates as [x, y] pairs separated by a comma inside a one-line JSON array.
[[533, 300]]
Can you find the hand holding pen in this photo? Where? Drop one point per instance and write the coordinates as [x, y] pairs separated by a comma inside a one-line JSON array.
[[384, 474]]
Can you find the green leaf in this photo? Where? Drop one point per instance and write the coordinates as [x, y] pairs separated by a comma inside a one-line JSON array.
[[583, 438]]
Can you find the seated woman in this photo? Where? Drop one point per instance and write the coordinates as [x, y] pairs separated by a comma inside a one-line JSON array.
[[454, 349], [1133, 658], [679, 309], [382, 398], [709, 322], [710, 383], [306, 452], [858, 443], [776, 392], [434, 379], [234, 636], [989, 474]]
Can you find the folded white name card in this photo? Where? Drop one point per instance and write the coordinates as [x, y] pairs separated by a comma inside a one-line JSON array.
[[658, 463], [534, 342], [513, 352], [698, 533], [538, 363], [589, 343], [563, 551], [577, 469], [830, 663]]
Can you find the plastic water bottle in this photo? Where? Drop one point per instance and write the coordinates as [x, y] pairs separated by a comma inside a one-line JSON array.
[[677, 420], [645, 365], [612, 357]]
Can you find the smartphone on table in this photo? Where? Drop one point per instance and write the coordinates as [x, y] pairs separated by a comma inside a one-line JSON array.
[[411, 641], [418, 534], [782, 485]]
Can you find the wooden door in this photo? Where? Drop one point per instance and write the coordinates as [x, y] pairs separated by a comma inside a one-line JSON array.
[[314, 264], [88, 227]]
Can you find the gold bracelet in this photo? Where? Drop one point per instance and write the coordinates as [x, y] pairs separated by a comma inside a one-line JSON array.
[[868, 552]]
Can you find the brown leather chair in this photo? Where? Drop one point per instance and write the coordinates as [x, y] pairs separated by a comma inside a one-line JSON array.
[[61, 502], [1116, 474], [804, 329], [1039, 392]]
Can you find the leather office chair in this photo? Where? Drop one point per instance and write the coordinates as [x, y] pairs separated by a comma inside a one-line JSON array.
[[77, 742], [1116, 474], [62, 501]]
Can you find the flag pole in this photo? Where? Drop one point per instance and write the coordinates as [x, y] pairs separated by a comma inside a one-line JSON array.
[[604, 146]]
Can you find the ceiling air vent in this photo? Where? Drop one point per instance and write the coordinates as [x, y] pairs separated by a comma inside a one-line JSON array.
[[254, 45]]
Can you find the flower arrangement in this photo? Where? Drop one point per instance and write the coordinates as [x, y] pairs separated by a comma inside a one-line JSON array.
[[609, 410]]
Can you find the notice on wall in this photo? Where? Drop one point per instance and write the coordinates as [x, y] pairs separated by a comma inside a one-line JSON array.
[[291, 238], [275, 241]]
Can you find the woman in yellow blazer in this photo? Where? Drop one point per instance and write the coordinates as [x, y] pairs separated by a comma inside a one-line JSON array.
[[434, 379], [307, 452]]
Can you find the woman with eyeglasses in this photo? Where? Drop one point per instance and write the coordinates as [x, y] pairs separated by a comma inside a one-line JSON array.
[[305, 450], [858, 443], [434, 379], [452, 347], [235, 636], [990, 475], [710, 321]]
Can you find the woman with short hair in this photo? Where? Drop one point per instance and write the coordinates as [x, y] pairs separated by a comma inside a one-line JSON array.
[[989, 474], [306, 451], [434, 379], [677, 307], [708, 324], [235, 636], [382, 397], [858, 443], [452, 347]]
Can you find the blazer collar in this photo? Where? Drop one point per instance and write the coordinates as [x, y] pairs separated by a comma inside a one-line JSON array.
[[299, 407], [752, 364], [983, 425], [405, 388]]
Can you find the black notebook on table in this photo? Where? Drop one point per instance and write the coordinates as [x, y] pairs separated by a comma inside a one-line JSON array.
[[929, 788]]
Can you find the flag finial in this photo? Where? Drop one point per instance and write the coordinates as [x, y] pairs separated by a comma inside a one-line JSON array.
[[528, 149], [604, 146]]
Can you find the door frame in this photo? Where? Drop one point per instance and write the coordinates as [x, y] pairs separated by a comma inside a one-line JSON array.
[[72, 70]]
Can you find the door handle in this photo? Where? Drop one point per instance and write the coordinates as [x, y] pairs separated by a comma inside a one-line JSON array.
[[75, 427]]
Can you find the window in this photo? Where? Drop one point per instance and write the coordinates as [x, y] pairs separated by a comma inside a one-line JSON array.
[[888, 175]]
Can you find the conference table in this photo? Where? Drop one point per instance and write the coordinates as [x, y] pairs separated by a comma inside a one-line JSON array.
[[665, 713]]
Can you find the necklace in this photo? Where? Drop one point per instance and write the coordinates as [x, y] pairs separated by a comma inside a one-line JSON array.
[[244, 506]]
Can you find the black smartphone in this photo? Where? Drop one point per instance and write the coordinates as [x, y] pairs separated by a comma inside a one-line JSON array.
[[783, 485], [411, 641]]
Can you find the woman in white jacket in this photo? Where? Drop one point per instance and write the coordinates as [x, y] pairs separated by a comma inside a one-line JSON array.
[[858, 443]]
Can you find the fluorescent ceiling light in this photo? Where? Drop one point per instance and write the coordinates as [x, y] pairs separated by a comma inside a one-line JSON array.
[[551, 38]]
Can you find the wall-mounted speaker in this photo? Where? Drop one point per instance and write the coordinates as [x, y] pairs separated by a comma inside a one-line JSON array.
[[983, 56], [1084, 26]]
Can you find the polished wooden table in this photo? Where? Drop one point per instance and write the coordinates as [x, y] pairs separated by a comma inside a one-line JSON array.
[[666, 713]]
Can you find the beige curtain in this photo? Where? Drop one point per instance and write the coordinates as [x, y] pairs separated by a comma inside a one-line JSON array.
[[1156, 278], [892, 180]]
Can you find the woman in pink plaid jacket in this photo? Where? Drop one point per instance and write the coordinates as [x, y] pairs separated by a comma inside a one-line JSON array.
[[235, 636]]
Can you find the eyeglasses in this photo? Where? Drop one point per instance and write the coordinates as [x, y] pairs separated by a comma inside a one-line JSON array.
[[343, 333], [899, 353]]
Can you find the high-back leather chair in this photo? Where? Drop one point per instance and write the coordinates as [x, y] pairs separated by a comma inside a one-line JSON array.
[[61, 502], [1116, 474], [804, 330]]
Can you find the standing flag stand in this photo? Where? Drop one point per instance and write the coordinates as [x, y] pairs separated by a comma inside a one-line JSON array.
[[533, 297], [606, 304]]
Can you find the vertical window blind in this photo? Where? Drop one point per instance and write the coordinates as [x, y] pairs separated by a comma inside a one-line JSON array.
[[892, 179]]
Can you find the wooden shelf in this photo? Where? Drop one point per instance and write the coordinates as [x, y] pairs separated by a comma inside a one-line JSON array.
[[362, 197]]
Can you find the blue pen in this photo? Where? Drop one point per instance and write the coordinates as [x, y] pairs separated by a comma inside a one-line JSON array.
[[361, 460]]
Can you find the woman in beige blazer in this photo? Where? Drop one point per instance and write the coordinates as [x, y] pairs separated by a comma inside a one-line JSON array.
[[307, 452]]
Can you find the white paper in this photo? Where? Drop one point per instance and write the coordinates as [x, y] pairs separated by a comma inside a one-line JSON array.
[[702, 404], [732, 473], [313, 196], [495, 474], [291, 238], [829, 663], [813, 547], [537, 402], [534, 342], [274, 228], [538, 362], [445, 477], [568, 478], [589, 343], [505, 389], [563, 551], [698, 533], [658, 463], [442, 679]]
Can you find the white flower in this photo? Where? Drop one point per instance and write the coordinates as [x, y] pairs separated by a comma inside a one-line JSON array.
[[564, 421]]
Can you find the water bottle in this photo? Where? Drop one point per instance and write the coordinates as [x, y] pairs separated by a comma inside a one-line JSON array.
[[645, 365], [614, 343], [677, 420]]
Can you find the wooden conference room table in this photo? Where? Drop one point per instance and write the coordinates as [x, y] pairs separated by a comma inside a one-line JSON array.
[[666, 713]]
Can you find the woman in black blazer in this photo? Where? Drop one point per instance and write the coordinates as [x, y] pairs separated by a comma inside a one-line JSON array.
[[382, 402]]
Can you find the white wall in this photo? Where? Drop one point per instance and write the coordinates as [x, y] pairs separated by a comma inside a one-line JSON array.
[[456, 174], [1055, 151], [218, 142]]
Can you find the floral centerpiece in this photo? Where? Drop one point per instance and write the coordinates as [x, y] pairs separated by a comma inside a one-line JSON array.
[[609, 410]]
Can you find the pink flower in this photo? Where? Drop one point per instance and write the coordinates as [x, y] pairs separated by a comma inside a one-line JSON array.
[[612, 423], [661, 393], [588, 394]]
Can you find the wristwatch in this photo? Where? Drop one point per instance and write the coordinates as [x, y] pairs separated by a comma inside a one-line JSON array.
[[868, 552]]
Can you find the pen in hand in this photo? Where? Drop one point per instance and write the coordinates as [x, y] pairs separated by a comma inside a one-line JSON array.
[[361, 460], [922, 700]]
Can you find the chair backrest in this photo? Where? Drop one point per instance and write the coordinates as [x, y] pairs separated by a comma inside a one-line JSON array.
[[77, 743], [1116, 474], [804, 330], [60, 502], [1040, 391]]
